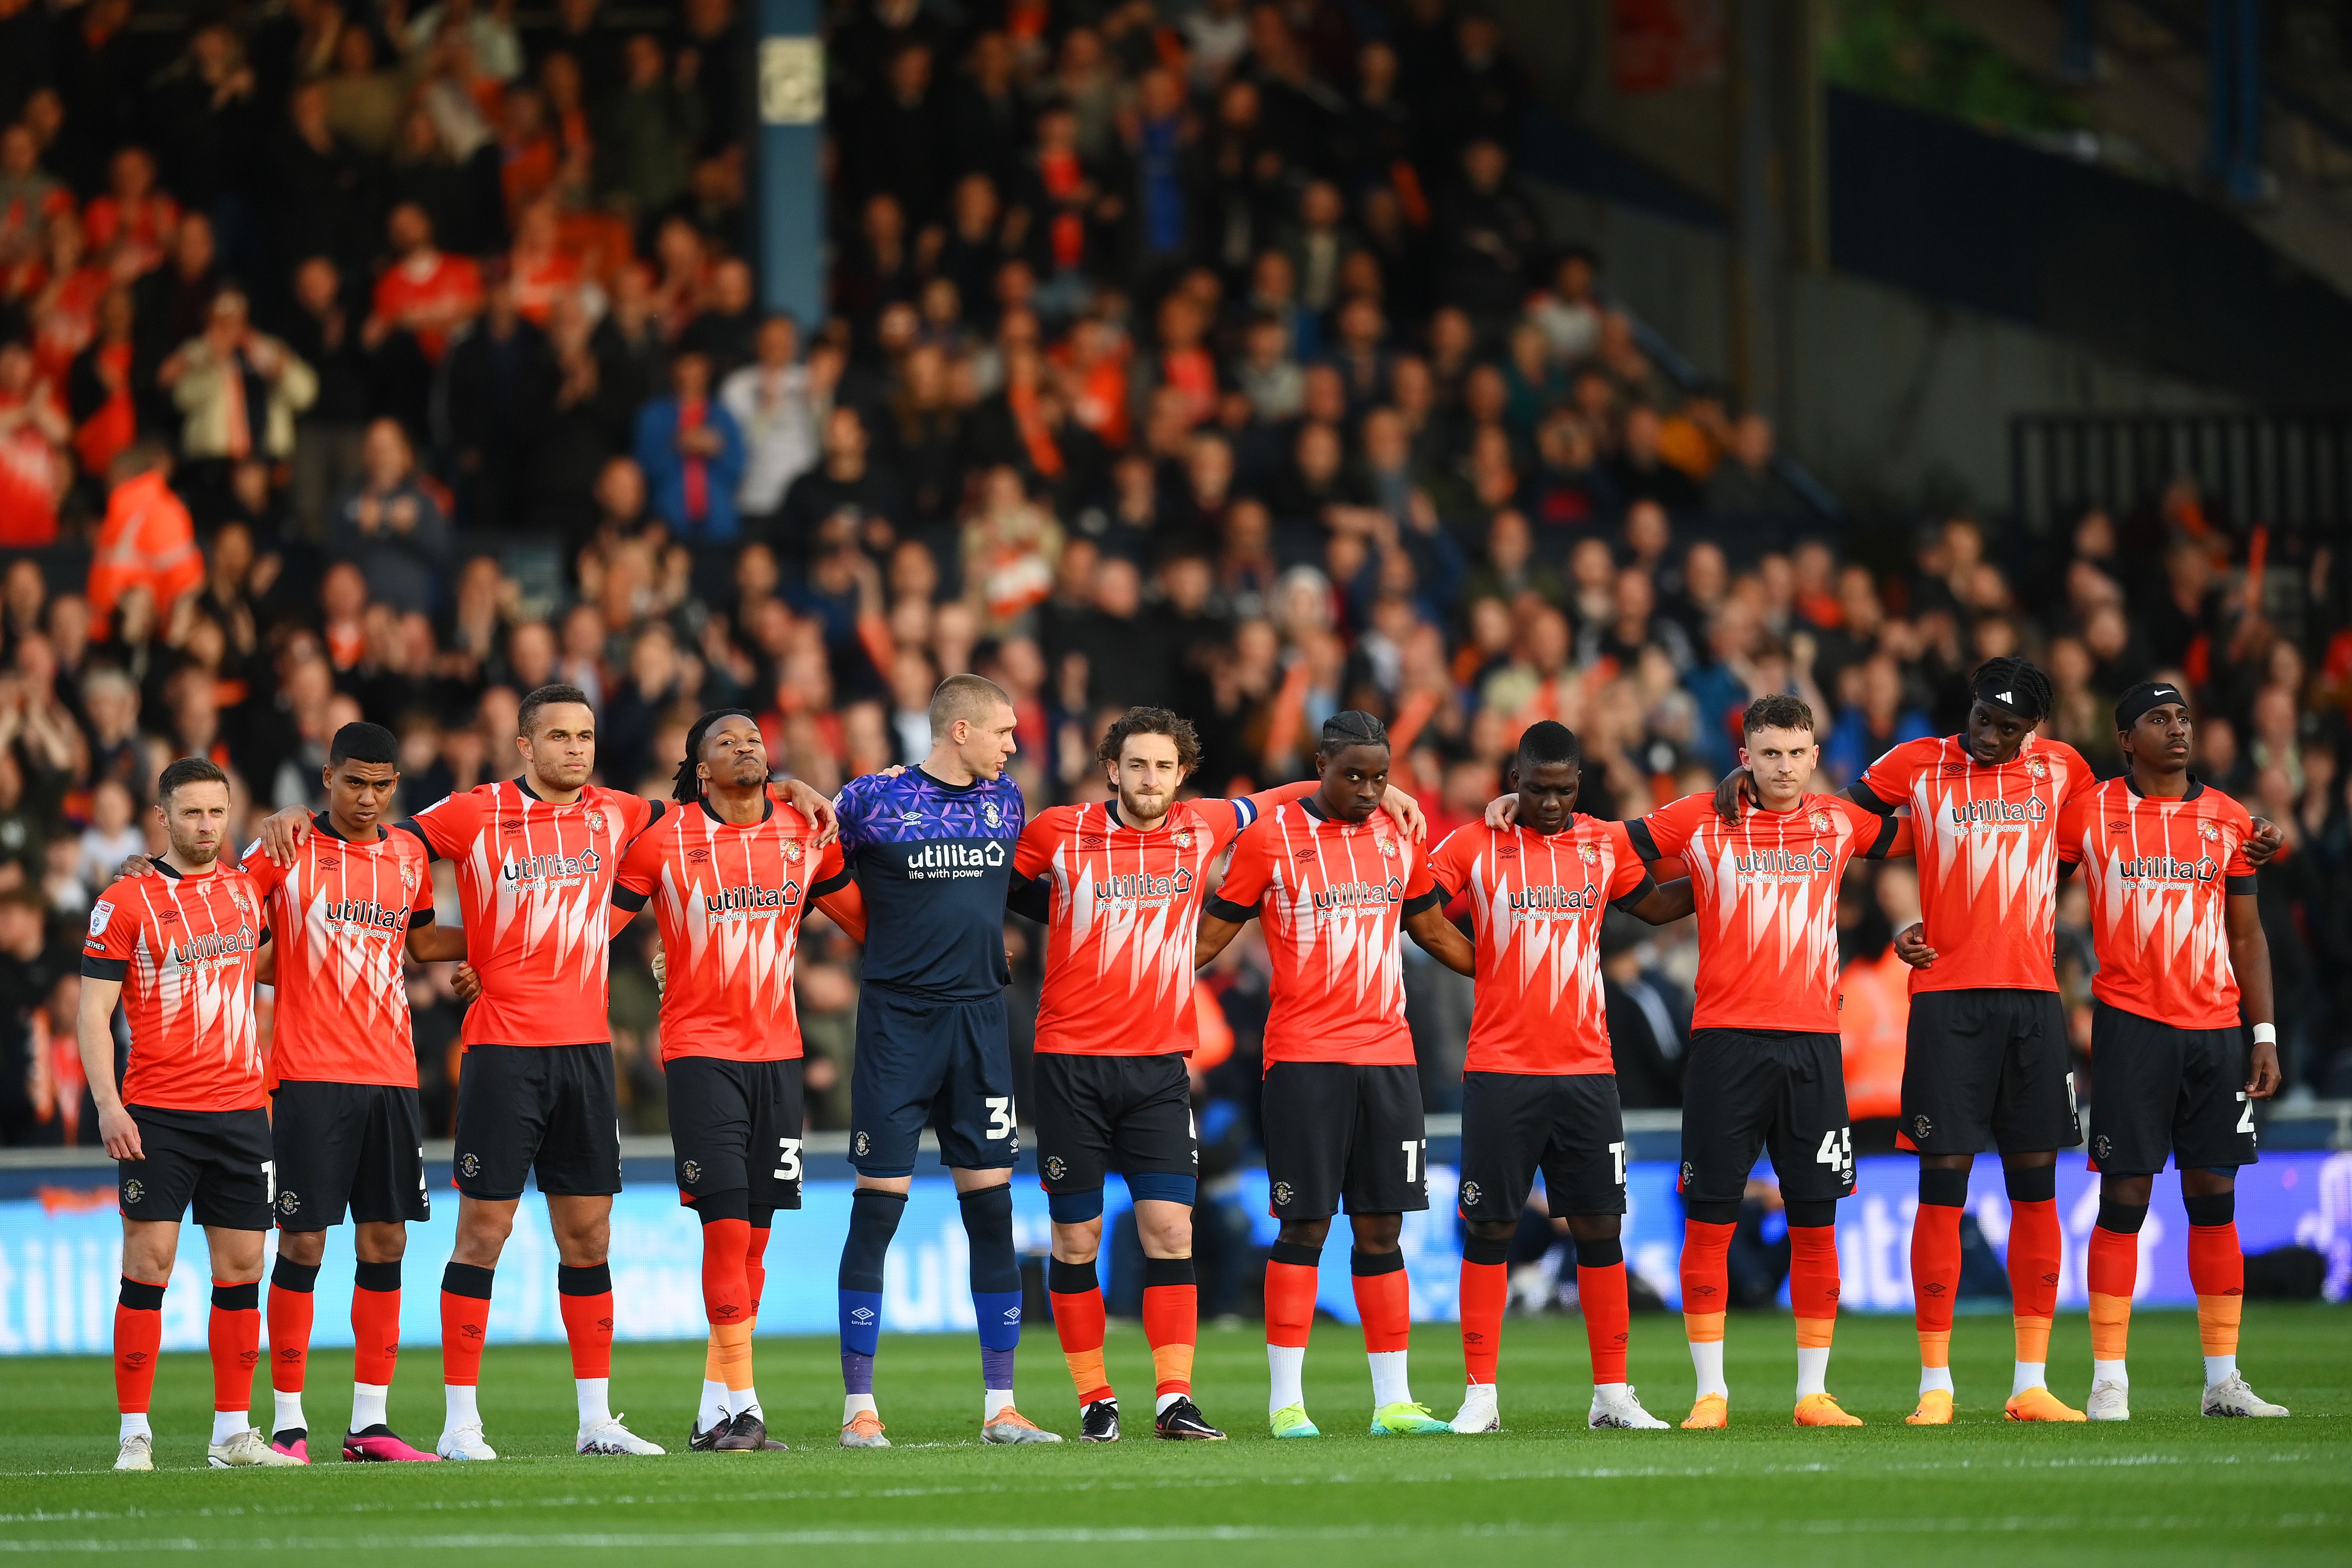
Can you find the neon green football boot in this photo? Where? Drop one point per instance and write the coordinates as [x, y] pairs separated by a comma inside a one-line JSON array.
[[1290, 1421], [1404, 1420]]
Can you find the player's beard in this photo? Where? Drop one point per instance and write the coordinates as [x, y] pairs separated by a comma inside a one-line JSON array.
[[1137, 811], [194, 852]]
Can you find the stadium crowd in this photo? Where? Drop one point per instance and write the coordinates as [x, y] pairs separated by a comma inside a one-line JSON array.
[[363, 362]]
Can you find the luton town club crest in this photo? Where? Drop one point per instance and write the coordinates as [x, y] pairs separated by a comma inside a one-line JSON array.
[[995, 818], [2038, 768], [1183, 838], [1819, 821], [1588, 853]]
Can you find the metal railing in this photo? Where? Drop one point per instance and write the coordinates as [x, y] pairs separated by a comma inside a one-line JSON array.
[[2289, 471]]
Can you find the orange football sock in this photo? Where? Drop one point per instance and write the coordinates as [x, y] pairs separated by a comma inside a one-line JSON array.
[[1079, 1321], [291, 1302], [2217, 1272], [1935, 1280], [1814, 1283], [1383, 1300], [137, 1337], [1608, 1316], [2034, 1244], [464, 1322], [1172, 1322], [1289, 1303], [584, 1297], [2114, 1272], [1706, 1280], [1485, 1289], [235, 1338]]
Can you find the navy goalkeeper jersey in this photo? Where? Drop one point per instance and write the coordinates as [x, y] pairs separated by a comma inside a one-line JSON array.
[[932, 861]]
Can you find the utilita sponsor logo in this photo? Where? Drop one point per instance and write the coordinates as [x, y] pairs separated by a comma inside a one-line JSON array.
[[1783, 862], [1355, 895], [211, 946], [550, 868], [1537, 900], [1999, 813], [726, 901], [1142, 885], [2165, 868], [955, 856], [353, 911]]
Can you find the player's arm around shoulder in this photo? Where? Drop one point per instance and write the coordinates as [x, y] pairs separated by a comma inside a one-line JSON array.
[[1235, 903]]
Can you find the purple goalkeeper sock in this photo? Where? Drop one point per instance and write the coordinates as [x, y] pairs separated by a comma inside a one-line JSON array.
[[857, 1372], [995, 1368]]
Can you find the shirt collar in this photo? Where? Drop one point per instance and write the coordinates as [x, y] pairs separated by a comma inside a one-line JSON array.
[[2196, 788]]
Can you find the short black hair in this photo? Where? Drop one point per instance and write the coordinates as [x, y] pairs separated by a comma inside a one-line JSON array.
[[1549, 741], [1351, 726], [1150, 721], [544, 697], [364, 742], [1777, 711], [188, 770]]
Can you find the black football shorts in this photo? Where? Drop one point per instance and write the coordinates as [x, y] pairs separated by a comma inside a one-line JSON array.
[[1990, 1068], [547, 1112], [217, 1160], [1567, 1125], [2162, 1090], [735, 1126], [1751, 1089], [355, 1145], [1337, 1130], [1097, 1114]]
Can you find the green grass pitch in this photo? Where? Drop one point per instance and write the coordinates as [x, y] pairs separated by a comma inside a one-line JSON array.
[[2169, 1487]]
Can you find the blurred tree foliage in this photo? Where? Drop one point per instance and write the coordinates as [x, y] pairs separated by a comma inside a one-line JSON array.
[[1918, 54]]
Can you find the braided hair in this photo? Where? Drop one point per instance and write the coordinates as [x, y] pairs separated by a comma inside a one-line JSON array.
[[1351, 726], [2014, 684], [687, 784]]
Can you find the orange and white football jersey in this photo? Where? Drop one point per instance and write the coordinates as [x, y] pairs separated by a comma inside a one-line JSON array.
[[534, 880], [1334, 895], [1536, 905], [1987, 840], [2159, 873], [1767, 894]]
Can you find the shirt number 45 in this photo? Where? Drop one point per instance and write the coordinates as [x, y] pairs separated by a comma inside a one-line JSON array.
[[1837, 1152]]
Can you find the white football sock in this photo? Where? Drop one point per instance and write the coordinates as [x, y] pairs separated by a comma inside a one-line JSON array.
[[2221, 1368], [367, 1404], [227, 1424], [1607, 1390], [743, 1401], [1390, 1384], [2109, 1372], [713, 1408], [1285, 1364], [288, 1416], [1159, 1406], [1812, 1369], [853, 1404], [1932, 1378], [1706, 1360], [462, 1411], [135, 1426], [2030, 1375], [596, 1408], [992, 1399]]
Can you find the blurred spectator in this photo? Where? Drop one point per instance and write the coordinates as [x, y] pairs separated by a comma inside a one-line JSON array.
[[691, 451], [390, 526]]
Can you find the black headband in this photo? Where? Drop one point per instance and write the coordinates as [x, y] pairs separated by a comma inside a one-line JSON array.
[[2006, 693], [2148, 694]]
